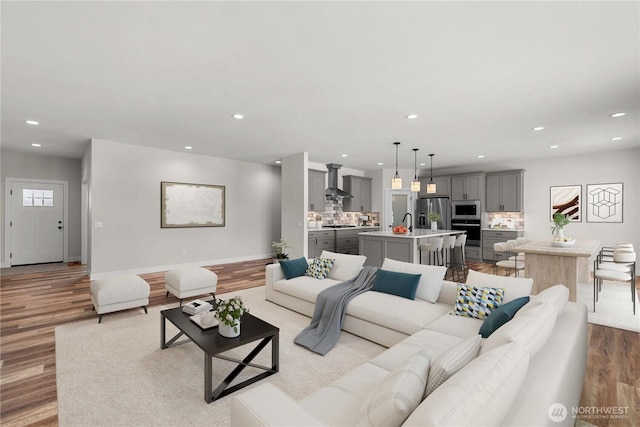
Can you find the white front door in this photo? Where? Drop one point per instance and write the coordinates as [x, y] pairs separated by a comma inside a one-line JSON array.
[[37, 222]]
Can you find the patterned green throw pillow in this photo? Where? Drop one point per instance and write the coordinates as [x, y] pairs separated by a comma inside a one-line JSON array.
[[320, 268], [477, 302]]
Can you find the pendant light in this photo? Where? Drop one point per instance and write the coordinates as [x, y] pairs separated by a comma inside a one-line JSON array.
[[396, 182], [415, 184], [431, 187]]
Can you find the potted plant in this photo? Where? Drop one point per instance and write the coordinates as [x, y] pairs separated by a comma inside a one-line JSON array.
[[434, 217], [280, 247], [559, 221], [229, 313]]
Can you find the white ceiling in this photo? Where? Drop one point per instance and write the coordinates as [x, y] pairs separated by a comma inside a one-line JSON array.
[[328, 78]]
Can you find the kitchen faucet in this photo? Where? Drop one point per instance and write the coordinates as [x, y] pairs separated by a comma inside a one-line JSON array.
[[410, 227]]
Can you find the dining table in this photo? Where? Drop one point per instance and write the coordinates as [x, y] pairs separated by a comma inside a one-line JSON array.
[[549, 265]]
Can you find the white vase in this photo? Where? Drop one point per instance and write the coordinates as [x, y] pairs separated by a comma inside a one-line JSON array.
[[559, 234], [434, 225], [228, 331]]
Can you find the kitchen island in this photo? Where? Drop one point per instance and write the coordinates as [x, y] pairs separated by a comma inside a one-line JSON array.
[[378, 245], [548, 265]]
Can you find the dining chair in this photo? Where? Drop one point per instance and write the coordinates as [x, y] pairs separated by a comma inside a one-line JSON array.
[[620, 269]]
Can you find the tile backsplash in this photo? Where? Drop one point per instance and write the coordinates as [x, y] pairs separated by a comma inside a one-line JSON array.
[[517, 217], [333, 215]]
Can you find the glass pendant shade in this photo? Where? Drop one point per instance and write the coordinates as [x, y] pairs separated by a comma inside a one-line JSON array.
[[431, 187], [415, 184], [396, 182]]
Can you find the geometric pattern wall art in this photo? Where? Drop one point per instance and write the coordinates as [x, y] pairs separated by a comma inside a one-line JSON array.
[[566, 200], [604, 202]]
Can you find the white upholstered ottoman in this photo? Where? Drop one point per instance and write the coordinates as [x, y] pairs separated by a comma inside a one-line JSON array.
[[190, 281], [119, 293]]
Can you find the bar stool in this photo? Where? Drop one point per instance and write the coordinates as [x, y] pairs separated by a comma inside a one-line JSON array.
[[434, 249], [508, 258], [449, 242], [459, 254], [621, 269]]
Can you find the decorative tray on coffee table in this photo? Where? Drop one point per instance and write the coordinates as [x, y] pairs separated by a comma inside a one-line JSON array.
[[197, 319]]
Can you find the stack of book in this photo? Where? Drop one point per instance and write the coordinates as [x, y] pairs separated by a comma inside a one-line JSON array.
[[197, 306]]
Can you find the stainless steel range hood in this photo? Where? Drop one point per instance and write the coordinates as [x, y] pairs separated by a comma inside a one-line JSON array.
[[333, 191]]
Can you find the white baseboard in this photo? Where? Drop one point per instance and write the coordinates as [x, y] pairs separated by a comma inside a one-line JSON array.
[[158, 268]]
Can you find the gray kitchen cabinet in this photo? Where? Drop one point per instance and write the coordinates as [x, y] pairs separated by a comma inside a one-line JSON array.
[[360, 188], [316, 190], [490, 237], [319, 241], [504, 191], [443, 186], [467, 186], [473, 253], [347, 241]]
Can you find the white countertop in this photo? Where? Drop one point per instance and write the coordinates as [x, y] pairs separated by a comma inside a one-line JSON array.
[[415, 234], [502, 229], [358, 227]]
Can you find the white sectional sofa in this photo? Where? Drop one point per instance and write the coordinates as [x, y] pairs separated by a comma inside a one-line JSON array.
[[519, 376]]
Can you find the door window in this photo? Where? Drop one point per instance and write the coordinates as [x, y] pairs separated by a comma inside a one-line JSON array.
[[33, 197]]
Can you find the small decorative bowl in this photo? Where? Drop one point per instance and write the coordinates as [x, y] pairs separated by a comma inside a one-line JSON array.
[[559, 244]]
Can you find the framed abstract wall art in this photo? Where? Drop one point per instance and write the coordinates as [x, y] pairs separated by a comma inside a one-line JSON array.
[[191, 205], [566, 200], [604, 202]]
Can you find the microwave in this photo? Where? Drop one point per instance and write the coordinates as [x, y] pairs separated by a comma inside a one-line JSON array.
[[466, 209]]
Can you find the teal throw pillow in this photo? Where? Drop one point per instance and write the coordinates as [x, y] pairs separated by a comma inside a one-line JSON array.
[[400, 284], [477, 302], [294, 268], [320, 268], [501, 315]]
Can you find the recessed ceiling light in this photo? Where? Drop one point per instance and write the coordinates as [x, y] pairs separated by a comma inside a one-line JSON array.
[[36, 145], [620, 114], [380, 163], [553, 147], [616, 138], [411, 116], [538, 128], [481, 156], [32, 122], [278, 162], [188, 147], [344, 155], [238, 116], [423, 164]]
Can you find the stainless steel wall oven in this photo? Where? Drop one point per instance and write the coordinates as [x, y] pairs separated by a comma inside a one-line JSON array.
[[471, 226]]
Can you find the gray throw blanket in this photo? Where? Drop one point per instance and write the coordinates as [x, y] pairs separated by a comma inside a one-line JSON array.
[[323, 332]]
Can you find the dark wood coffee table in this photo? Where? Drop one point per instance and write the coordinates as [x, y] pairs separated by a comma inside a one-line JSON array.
[[213, 344]]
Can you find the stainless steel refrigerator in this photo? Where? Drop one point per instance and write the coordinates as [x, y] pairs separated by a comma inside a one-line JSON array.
[[441, 205]]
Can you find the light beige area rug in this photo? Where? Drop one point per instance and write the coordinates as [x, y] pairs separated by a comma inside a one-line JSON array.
[[614, 307], [115, 374]]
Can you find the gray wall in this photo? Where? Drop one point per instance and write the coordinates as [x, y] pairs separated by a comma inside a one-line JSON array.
[[33, 166], [124, 195]]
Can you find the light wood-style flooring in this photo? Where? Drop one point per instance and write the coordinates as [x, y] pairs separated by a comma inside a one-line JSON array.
[[32, 305]]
